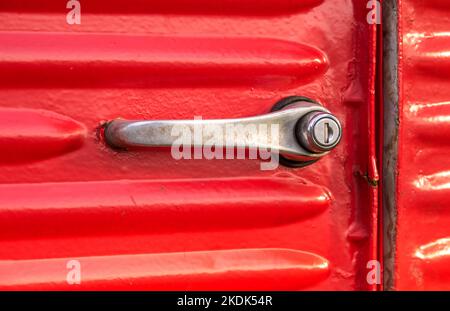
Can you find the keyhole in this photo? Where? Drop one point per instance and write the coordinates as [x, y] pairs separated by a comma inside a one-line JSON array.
[[328, 132]]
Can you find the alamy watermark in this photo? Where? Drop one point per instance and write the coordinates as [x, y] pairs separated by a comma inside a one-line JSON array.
[[74, 15], [374, 15], [227, 141], [374, 275], [73, 276]]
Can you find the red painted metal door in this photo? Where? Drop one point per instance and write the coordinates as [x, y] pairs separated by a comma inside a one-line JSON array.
[[419, 235], [143, 220]]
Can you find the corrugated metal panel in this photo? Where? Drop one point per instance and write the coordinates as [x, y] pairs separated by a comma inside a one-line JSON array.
[[141, 220], [423, 245]]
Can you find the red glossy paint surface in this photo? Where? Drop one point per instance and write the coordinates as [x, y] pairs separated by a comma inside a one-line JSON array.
[[244, 269], [238, 7], [423, 224], [29, 135], [127, 60], [141, 220]]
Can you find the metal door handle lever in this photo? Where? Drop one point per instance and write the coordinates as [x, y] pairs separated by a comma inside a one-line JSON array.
[[306, 131]]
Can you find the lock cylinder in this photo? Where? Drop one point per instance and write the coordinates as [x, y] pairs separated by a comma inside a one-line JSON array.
[[318, 132]]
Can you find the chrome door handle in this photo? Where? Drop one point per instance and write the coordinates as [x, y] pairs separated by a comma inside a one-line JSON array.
[[306, 131]]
